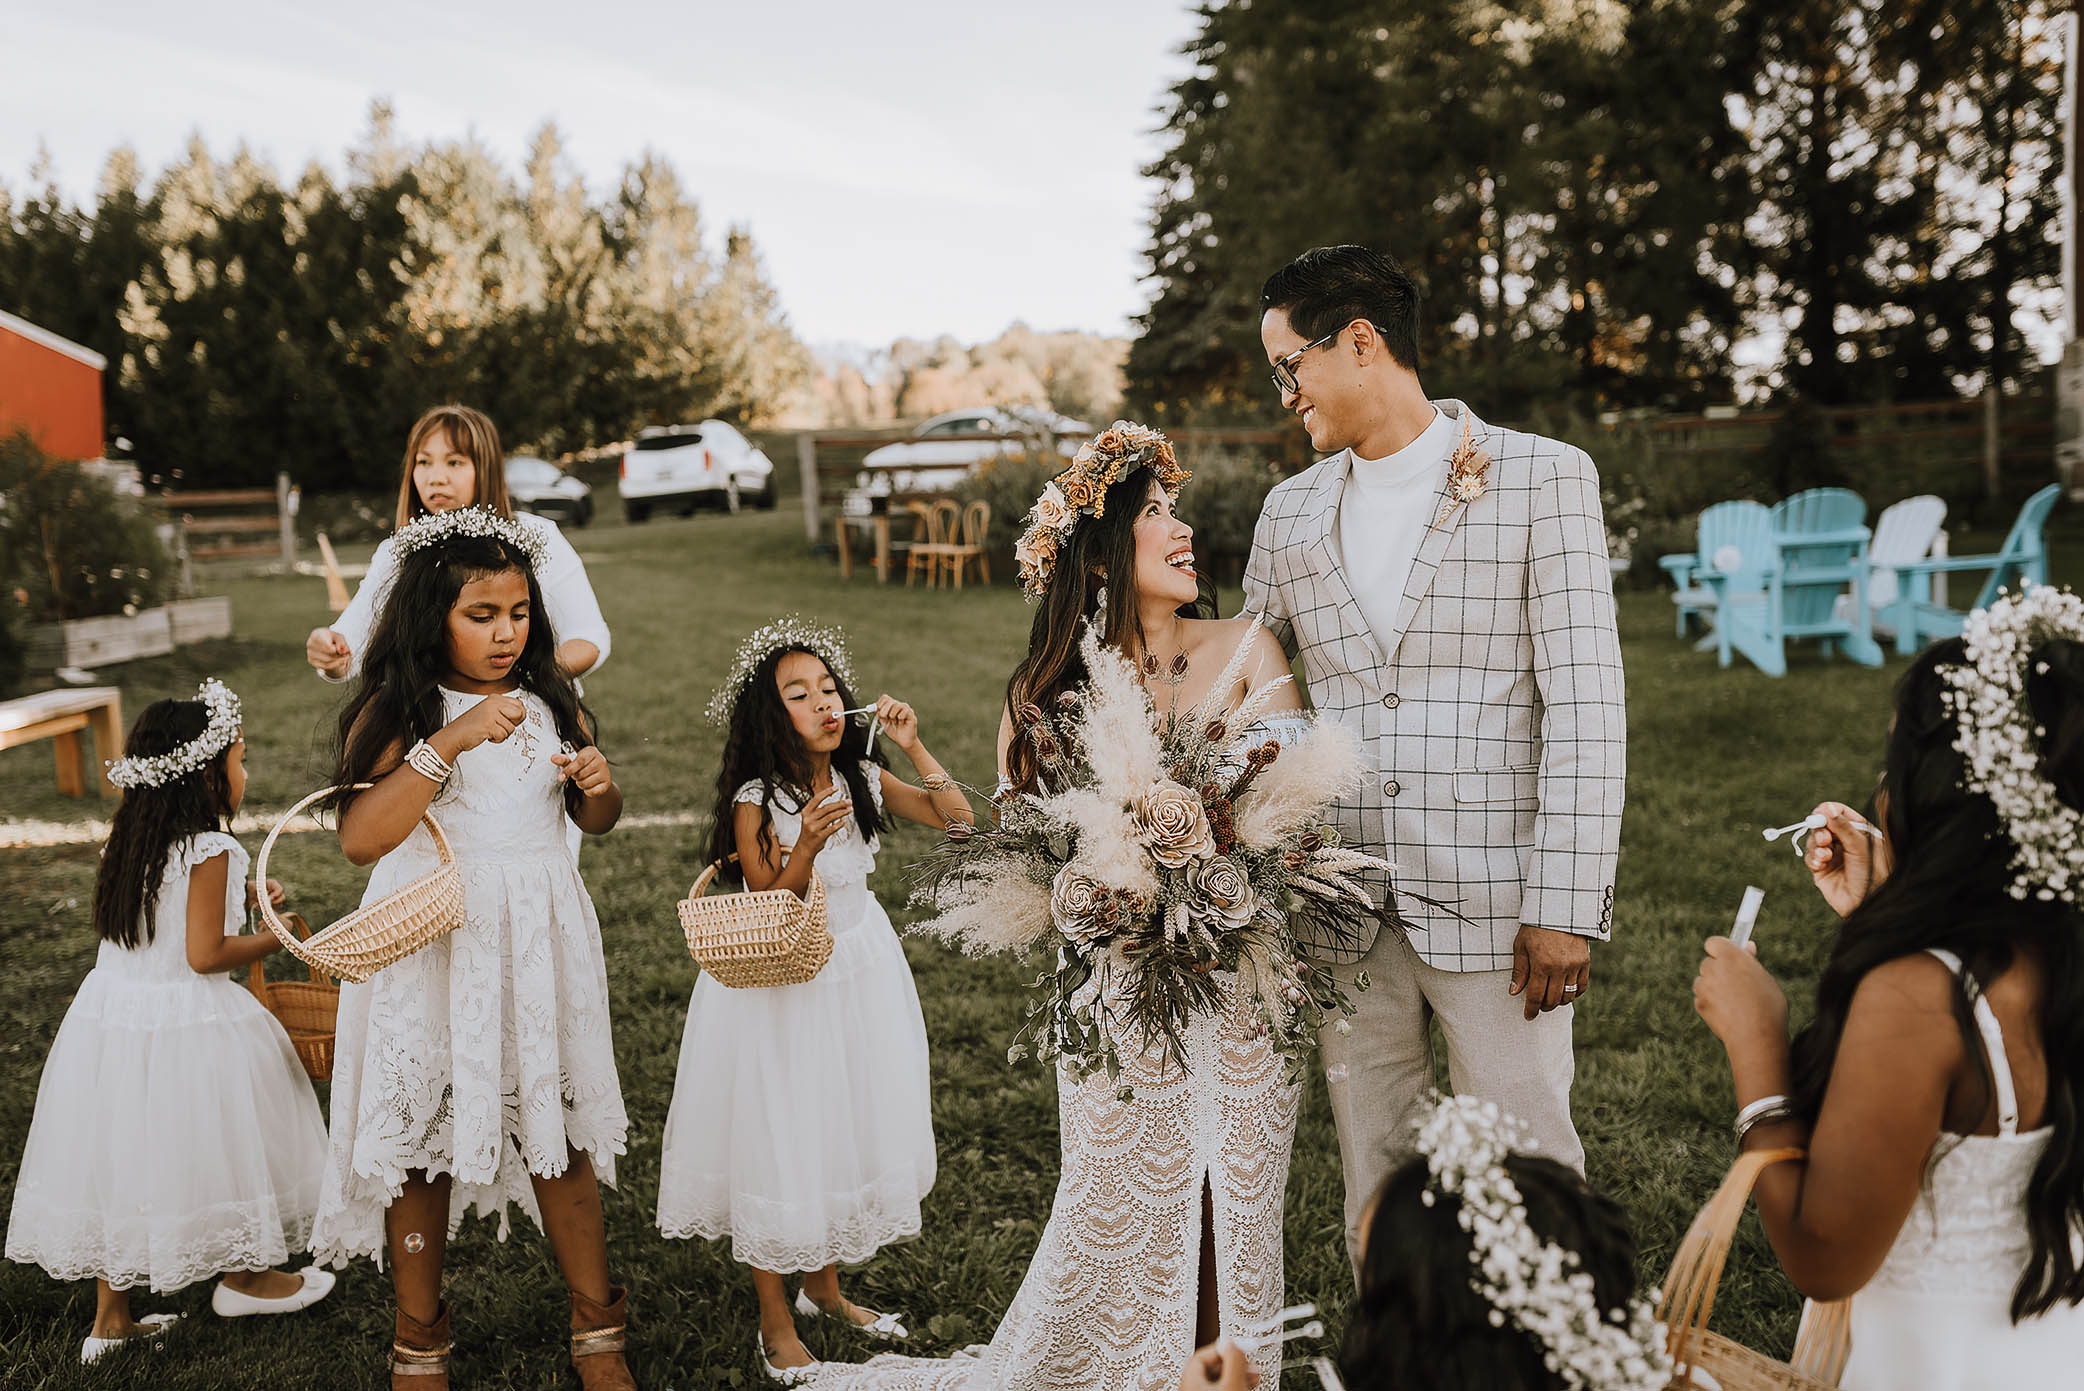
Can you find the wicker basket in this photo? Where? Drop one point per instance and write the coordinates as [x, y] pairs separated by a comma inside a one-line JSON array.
[[1689, 1297], [308, 1009], [756, 938], [377, 934]]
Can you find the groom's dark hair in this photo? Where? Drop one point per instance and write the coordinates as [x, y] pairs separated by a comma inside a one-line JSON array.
[[1327, 288]]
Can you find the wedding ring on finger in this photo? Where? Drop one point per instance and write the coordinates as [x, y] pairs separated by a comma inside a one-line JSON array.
[[1570, 988]]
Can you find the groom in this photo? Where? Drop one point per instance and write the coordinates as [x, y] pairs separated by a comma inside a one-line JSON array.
[[1446, 584]]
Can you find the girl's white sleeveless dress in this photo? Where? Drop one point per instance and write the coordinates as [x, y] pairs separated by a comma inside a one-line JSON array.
[[176, 1135], [802, 1124], [487, 1053], [1936, 1316]]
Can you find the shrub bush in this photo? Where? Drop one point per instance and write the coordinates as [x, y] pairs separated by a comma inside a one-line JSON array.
[[70, 546]]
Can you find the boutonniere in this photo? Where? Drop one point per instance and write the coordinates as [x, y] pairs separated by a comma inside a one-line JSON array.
[[1468, 473]]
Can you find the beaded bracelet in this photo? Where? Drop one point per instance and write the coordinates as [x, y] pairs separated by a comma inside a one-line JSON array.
[[422, 759]]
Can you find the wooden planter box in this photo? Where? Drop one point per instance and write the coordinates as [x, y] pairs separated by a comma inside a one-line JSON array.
[[100, 642]]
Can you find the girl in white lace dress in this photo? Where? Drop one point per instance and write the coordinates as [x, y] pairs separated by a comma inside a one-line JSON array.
[[1940, 1090], [801, 1125], [1166, 1231], [478, 1071], [175, 1135]]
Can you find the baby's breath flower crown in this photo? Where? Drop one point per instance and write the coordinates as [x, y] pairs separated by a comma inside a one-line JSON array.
[[793, 631], [1535, 1285], [177, 763], [1080, 491], [434, 528], [1997, 736]]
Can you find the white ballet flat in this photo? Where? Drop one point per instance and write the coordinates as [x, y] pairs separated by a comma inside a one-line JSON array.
[[232, 1304], [887, 1328], [786, 1376], [152, 1327]]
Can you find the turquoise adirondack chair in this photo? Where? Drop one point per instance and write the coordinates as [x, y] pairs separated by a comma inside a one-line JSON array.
[[1738, 524], [2022, 559], [1783, 578]]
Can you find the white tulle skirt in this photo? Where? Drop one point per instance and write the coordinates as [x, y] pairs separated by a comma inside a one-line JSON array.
[[801, 1124], [175, 1137]]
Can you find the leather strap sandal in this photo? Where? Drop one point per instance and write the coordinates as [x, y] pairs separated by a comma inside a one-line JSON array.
[[420, 1353], [599, 1334]]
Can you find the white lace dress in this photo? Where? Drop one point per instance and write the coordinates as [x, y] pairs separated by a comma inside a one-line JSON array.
[[486, 1053], [175, 1135], [802, 1123], [1109, 1303], [1936, 1316]]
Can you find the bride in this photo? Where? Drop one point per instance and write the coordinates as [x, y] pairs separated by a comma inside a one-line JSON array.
[[1166, 1227]]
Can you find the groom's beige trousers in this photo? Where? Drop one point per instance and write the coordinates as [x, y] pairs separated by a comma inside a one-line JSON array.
[[1379, 1071]]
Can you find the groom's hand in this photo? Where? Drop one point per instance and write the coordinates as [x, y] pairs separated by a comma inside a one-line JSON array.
[[1550, 968]]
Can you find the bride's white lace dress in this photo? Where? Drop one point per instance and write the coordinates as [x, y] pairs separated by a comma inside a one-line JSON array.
[[1109, 1303]]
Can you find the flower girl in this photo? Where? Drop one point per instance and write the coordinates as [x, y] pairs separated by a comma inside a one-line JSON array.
[[800, 1123], [479, 1070], [175, 1134]]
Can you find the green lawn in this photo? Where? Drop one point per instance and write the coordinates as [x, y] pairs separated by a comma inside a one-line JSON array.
[[1714, 756]]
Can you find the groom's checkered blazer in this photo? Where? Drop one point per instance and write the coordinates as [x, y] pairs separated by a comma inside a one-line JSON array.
[[1494, 716]]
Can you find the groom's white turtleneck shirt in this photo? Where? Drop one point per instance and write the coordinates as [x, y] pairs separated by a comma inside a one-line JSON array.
[[1383, 516]]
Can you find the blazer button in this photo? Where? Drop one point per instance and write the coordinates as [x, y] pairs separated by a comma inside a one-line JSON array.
[[1391, 788], [1392, 701]]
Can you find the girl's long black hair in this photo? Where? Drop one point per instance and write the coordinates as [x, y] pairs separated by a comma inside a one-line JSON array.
[[761, 745], [399, 697], [1098, 547], [1419, 1323], [1949, 890], [149, 820]]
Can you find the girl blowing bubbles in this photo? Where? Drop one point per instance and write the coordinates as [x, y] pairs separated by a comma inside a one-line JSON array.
[[1940, 1088], [479, 1070], [175, 1133], [800, 1123]]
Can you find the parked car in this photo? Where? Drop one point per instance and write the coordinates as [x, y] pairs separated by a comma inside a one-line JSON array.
[[944, 450], [535, 485], [683, 467]]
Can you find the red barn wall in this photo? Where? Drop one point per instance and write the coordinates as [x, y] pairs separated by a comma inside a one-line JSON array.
[[52, 387]]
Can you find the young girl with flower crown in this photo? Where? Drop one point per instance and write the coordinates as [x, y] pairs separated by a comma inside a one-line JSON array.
[[1939, 1090], [478, 1071], [800, 1124], [175, 1134]]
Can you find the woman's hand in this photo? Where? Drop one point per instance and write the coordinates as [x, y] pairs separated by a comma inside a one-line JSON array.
[[327, 652], [900, 722], [1739, 1000], [587, 769], [822, 822], [1846, 862], [275, 894], [493, 718], [1221, 1366]]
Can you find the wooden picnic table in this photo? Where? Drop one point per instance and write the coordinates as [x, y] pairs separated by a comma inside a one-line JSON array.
[[60, 716]]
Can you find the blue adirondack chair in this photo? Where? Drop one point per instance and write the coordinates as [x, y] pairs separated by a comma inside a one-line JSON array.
[[2022, 559], [1724, 524], [1736, 555], [1824, 572]]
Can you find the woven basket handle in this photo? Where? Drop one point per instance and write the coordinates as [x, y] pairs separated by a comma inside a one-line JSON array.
[[260, 870], [257, 978], [715, 867], [1688, 1297]]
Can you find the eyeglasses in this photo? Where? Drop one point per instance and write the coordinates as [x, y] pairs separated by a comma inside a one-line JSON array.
[[1284, 368]]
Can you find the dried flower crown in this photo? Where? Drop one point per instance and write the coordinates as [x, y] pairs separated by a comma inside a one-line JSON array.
[[434, 528], [2000, 742], [791, 632], [1080, 491], [178, 762], [1535, 1285]]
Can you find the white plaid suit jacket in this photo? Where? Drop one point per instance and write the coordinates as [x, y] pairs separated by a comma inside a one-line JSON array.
[[1494, 716]]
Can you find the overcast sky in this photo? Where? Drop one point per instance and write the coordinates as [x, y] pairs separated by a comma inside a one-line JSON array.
[[912, 167]]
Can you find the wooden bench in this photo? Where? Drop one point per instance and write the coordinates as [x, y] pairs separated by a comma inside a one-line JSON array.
[[60, 716]]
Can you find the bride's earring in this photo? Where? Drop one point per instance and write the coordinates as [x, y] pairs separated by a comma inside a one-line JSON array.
[[1100, 608]]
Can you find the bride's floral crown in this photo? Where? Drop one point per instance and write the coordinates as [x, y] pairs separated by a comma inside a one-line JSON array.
[[791, 632], [1535, 1285], [178, 762], [1998, 738], [1081, 491], [433, 528]]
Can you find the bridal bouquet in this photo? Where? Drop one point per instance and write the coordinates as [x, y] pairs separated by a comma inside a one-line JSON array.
[[1155, 856]]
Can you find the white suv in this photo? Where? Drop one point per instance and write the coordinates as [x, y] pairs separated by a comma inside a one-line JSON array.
[[945, 449], [683, 467]]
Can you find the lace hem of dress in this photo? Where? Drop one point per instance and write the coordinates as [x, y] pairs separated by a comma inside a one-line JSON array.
[[852, 1243], [164, 1254]]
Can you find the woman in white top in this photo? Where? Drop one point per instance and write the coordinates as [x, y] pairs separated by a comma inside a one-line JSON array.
[[453, 459], [1940, 1090]]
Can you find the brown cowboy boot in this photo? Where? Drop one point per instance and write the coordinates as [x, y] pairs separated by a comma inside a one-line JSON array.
[[420, 1353], [598, 1332]]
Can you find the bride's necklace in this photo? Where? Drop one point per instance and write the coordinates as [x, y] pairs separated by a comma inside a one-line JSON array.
[[1172, 673]]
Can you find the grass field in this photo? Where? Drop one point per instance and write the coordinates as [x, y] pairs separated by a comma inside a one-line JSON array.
[[1714, 756]]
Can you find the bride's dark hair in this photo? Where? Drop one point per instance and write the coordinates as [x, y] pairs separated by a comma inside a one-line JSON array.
[[1097, 548], [1949, 889]]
